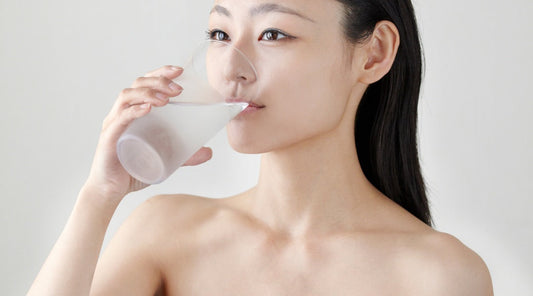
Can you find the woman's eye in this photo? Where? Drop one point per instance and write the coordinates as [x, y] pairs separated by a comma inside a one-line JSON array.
[[273, 35], [217, 35], [267, 35]]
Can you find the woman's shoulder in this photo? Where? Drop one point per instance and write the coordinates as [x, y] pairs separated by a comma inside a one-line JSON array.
[[437, 263], [446, 266], [176, 210], [185, 216], [154, 219], [172, 204]]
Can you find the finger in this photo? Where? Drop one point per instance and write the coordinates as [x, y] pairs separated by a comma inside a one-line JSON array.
[[169, 72], [131, 100], [201, 156], [160, 84], [118, 124], [136, 96], [131, 97]]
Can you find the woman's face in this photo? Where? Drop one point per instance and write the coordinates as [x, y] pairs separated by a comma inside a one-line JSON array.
[[304, 74]]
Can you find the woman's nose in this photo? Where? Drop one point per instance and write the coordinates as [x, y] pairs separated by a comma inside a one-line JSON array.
[[238, 68]]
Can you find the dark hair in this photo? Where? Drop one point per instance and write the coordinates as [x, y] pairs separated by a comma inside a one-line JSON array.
[[385, 125]]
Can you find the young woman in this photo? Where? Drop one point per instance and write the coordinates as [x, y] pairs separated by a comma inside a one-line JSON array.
[[340, 206]]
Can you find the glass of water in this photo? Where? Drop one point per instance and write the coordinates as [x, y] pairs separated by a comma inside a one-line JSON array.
[[218, 81]]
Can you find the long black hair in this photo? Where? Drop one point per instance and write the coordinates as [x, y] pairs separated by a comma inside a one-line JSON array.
[[386, 121]]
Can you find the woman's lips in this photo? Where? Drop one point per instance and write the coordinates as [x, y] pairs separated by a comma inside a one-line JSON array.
[[252, 106]]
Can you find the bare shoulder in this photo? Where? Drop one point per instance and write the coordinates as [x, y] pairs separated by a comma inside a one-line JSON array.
[[187, 216], [159, 217], [168, 204], [445, 266], [135, 258], [174, 211]]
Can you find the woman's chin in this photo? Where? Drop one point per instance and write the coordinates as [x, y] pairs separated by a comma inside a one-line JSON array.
[[247, 143], [245, 147]]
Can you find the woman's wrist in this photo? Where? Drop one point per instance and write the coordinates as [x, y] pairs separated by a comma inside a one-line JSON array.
[[95, 197]]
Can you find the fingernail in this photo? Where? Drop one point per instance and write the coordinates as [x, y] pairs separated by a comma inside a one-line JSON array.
[[161, 96], [175, 69], [174, 87], [145, 106]]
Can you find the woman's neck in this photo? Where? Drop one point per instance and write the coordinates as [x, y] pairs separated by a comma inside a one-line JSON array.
[[312, 188]]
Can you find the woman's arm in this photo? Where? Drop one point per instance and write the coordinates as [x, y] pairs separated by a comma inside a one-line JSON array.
[[69, 268], [132, 263], [71, 264]]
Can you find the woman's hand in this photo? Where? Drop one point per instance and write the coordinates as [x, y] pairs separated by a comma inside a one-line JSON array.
[[107, 175], [69, 268]]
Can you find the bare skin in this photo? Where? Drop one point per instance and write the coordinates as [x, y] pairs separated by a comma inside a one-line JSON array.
[[311, 233], [185, 245], [313, 224]]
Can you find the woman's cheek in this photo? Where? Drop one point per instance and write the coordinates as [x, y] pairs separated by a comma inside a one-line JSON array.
[[301, 102], [320, 97]]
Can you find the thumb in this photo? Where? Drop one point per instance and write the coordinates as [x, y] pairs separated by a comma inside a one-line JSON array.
[[202, 155]]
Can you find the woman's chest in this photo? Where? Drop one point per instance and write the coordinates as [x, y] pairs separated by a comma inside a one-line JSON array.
[[292, 271]]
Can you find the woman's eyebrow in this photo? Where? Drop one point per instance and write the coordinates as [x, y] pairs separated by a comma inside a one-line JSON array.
[[272, 7], [263, 9], [220, 10]]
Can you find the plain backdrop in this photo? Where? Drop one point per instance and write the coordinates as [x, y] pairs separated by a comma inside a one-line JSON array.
[[62, 64]]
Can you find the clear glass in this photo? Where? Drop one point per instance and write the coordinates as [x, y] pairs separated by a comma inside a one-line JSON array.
[[217, 83]]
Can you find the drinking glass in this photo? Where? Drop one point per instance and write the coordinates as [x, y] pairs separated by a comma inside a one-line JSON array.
[[217, 81]]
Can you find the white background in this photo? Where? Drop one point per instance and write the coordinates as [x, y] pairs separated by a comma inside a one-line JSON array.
[[62, 63]]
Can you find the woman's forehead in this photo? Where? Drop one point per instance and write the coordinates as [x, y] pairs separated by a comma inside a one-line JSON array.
[[311, 10]]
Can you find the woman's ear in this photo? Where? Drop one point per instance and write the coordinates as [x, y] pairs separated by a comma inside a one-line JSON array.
[[379, 52]]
